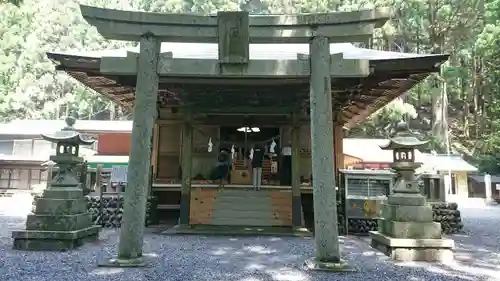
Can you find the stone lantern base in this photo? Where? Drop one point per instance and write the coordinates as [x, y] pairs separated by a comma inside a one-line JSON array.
[[408, 233], [60, 222]]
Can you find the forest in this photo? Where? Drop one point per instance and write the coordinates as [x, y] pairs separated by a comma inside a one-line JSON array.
[[457, 109]]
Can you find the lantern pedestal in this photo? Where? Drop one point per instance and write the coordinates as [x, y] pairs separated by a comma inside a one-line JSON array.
[[407, 231], [60, 220]]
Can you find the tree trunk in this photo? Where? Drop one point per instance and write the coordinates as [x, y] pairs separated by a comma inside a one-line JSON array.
[[475, 97], [464, 96]]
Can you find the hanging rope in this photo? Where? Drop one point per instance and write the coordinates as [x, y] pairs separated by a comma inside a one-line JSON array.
[[215, 140]]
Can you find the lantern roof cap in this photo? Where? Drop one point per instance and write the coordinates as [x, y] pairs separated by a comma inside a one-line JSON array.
[[67, 135], [403, 138]]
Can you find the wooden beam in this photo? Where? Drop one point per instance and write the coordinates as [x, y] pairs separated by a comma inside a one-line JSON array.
[[338, 147], [74, 63], [277, 110], [431, 63], [338, 27], [296, 194], [169, 66]]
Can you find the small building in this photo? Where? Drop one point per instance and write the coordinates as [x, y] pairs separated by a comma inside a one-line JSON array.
[[477, 186], [369, 155], [459, 169], [23, 151]]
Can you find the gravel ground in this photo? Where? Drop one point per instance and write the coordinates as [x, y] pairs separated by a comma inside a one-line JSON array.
[[198, 258]]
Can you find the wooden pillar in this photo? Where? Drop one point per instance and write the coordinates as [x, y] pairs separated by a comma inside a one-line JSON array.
[[325, 207], [139, 165], [338, 148], [187, 158], [296, 193], [154, 157]]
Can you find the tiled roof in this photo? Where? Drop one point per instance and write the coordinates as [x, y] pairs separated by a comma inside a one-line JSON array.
[[442, 162], [480, 178]]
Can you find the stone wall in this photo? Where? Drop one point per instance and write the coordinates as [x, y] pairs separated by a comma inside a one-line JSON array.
[[445, 213], [112, 210], [449, 216]]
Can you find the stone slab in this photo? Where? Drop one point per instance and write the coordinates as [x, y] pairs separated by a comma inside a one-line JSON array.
[[407, 213], [314, 265], [63, 194], [410, 230], [122, 263], [266, 213], [250, 221], [61, 235], [412, 243], [406, 199], [237, 231], [53, 240], [405, 254], [58, 222], [60, 206]]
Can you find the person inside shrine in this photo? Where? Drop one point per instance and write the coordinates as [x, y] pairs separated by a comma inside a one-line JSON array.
[[222, 168], [257, 157]]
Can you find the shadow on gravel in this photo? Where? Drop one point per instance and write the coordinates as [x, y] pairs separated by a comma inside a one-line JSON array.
[[201, 258]]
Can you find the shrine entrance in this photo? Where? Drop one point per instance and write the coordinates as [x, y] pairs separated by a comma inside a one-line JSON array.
[[240, 142], [314, 87]]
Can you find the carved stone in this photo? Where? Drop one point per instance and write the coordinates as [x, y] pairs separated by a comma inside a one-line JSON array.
[[60, 221], [407, 231]]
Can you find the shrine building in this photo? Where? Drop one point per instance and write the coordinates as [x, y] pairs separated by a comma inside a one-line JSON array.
[[212, 97]]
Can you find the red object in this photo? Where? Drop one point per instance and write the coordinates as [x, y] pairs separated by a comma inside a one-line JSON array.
[[113, 144]]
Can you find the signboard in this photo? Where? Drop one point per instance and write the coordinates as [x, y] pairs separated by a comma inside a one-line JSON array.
[[363, 208], [497, 186], [119, 174]]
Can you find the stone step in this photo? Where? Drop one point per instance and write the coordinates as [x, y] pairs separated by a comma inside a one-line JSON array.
[[244, 193], [410, 230], [245, 222], [58, 222], [243, 206], [243, 199], [227, 213], [60, 206]]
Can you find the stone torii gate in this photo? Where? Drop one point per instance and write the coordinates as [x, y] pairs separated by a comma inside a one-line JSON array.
[[233, 32]]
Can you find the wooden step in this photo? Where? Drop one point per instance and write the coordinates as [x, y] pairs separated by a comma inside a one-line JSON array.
[[264, 222], [244, 208], [244, 193], [241, 214]]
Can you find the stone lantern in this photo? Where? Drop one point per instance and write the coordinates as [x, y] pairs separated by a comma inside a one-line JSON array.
[[61, 220], [407, 231], [403, 146]]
